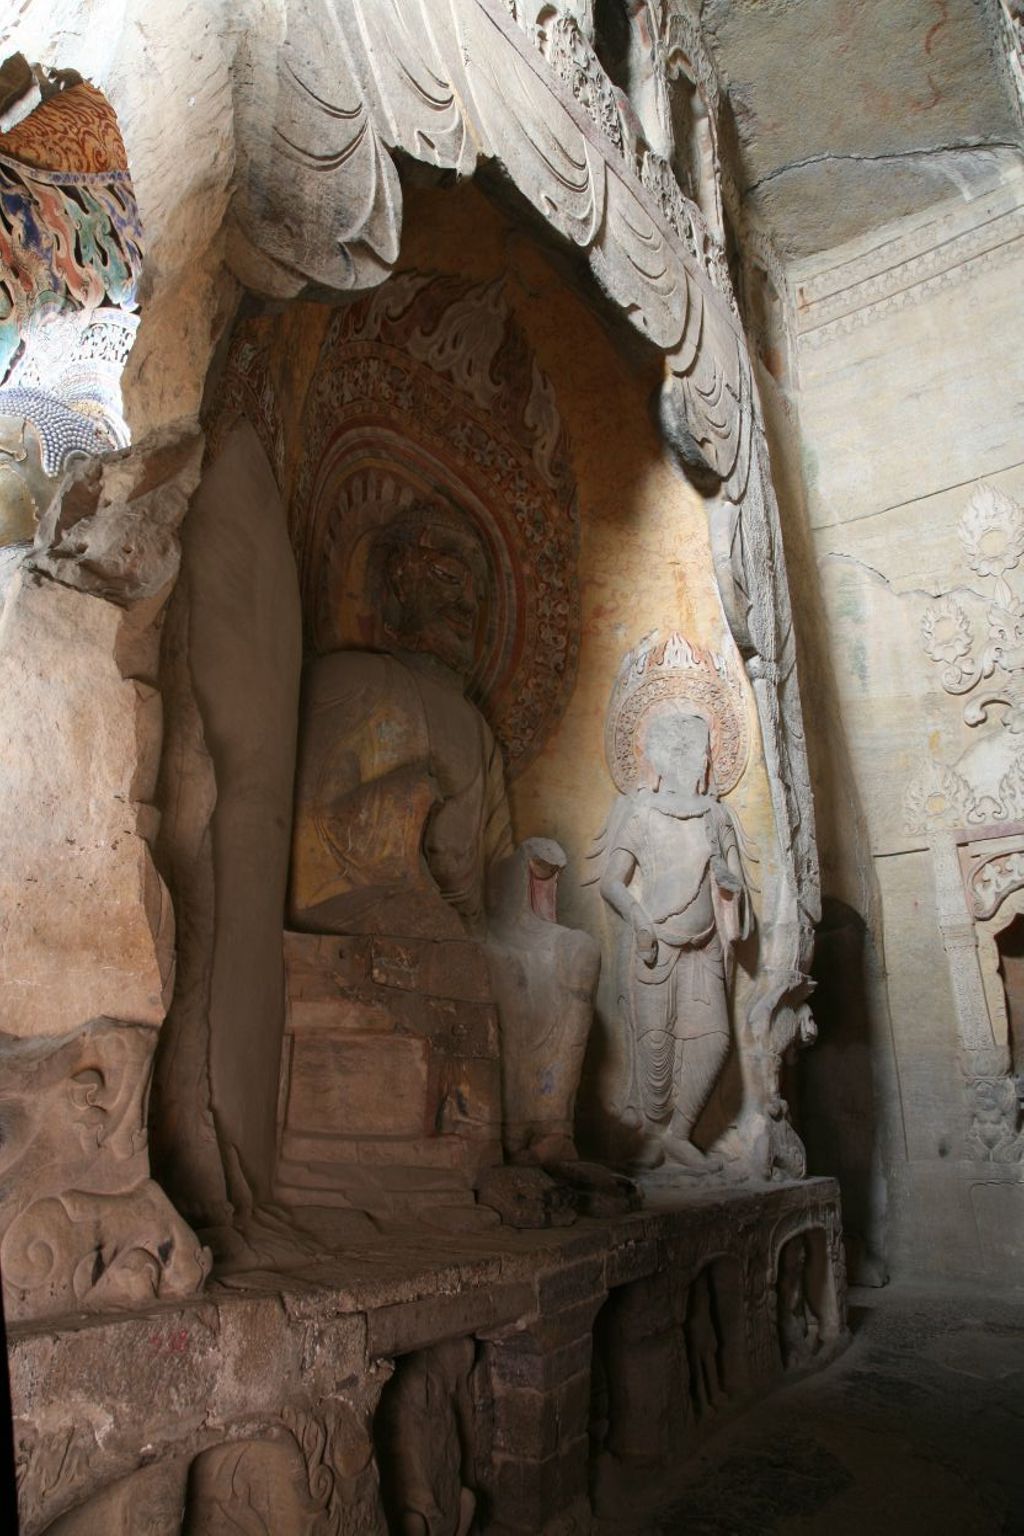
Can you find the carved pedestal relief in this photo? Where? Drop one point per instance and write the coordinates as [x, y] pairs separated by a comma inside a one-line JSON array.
[[671, 1355], [799, 1325], [82, 1225], [425, 1442]]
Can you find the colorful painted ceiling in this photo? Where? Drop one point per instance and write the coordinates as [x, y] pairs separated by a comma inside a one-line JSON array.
[[70, 259]]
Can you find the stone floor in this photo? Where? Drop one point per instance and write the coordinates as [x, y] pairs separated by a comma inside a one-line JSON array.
[[918, 1428]]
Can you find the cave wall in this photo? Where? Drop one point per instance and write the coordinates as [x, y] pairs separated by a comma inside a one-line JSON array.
[[909, 360]]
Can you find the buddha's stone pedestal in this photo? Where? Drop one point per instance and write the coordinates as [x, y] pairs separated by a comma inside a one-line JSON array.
[[579, 1367], [390, 1096]]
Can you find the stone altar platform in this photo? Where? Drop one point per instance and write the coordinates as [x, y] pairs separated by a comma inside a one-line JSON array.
[[540, 1376]]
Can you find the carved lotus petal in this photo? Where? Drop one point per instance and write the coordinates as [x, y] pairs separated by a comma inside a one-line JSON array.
[[946, 631], [992, 532], [937, 796]]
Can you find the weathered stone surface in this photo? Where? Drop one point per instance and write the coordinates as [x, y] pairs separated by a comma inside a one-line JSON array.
[[526, 1197], [545, 979], [82, 1225], [917, 551], [911, 128], [337, 1083], [87, 929], [112, 527], [390, 1095]]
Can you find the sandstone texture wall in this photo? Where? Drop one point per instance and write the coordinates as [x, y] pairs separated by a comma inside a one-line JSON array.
[[911, 381]]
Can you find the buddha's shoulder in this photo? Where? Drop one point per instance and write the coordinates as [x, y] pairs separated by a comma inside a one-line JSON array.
[[342, 675]]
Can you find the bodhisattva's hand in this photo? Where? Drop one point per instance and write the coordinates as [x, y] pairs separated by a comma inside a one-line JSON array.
[[643, 933], [725, 879]]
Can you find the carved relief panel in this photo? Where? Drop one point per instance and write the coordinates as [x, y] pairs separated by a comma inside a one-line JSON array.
[[971, 808], [975, 637]]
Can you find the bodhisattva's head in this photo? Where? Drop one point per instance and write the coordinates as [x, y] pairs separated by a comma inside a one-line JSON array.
[[678, 749], [434, 576]]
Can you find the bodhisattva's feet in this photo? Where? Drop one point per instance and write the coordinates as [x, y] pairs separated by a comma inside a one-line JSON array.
[[681, 1151]]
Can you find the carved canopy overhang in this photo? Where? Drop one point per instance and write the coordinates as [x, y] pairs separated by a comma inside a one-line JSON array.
[[454, 83]]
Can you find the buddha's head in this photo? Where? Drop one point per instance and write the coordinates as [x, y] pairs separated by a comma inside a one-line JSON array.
[[434, 576]]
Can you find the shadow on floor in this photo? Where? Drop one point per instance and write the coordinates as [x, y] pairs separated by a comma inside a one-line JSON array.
[[919, 1428]]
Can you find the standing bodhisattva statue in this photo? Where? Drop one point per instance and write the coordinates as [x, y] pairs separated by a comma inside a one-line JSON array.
[[672, 872]]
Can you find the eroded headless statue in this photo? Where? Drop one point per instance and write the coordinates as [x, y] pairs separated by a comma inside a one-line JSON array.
[[403, 825], [672, 871]]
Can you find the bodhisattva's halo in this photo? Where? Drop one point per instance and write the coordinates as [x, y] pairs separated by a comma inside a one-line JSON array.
[[667, 674]]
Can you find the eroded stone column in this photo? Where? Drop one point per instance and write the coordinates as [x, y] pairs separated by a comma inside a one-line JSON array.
[[86, 929]]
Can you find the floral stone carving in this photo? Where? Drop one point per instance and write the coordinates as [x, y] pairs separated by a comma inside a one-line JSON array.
[[977, 639], [978, 642]]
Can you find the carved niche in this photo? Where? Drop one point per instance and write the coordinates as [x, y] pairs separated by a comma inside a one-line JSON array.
[[979, 890], [429, 437], [425, 1441], [474, 80], [670, 1354]]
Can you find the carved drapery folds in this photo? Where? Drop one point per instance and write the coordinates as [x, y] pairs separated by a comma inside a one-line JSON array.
[[464, 81], [670, 865]]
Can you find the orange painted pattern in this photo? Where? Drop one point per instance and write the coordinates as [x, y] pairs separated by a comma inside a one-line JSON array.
[[73, 131]]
